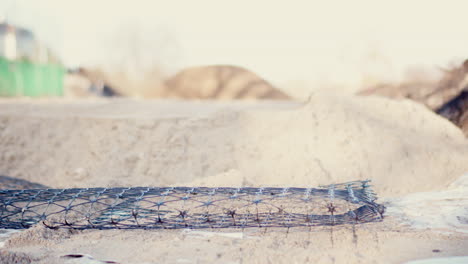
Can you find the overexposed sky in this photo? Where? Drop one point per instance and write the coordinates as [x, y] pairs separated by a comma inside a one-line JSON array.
[[342, 43]]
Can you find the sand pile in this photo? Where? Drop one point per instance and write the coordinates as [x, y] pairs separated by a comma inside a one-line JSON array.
[[401, 146], [432, 93], [221, 82], [447, 96]]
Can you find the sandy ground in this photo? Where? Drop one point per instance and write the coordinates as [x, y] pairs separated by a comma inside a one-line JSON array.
[[416, 160]]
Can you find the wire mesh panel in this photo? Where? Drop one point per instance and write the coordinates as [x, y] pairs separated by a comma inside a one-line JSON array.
[[190, 207]]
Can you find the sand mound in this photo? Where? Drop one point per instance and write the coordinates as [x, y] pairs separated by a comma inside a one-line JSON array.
[[447, 97], [433, 94], [203, 82], [401, 146], [221, 82]]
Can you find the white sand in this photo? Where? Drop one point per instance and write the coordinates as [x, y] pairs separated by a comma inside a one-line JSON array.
[[403, 147], [445, 211]]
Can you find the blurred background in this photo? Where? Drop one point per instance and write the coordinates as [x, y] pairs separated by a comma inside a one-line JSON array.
[[276, 49]]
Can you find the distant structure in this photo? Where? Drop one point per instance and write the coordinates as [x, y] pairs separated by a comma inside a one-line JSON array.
[[17, 43], [27, 68], [221, 82]]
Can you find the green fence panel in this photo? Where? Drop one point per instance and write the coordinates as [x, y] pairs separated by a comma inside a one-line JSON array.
[[54, 82], [7, 79], [28, 78], [24, 78]]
